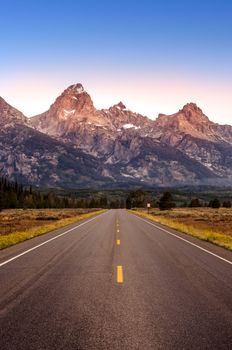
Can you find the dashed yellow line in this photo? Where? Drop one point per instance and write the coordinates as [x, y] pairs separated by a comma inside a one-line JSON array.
[[119, 267], [119, 274]]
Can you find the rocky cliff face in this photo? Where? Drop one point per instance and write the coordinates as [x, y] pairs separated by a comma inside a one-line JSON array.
[[73, 144], [73, 118], [191, 121], [36, 158], [191, 132], [10, 116]]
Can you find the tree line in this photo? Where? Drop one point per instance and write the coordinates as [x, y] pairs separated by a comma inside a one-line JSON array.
[[15, 195], [139, 199]]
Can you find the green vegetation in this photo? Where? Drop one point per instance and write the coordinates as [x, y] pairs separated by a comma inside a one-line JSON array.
[[166, 201], [20, 236], [136, 198], [226, 204], [195, 203], [15, 195], [215, 203]]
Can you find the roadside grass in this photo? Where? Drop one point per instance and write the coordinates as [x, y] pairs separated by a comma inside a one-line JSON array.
[[12, 238], [205, 234]]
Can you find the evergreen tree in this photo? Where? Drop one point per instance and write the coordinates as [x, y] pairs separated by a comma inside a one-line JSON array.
[[166, 201], [215, 203], [128, 203], [226, 204], [195, 203]]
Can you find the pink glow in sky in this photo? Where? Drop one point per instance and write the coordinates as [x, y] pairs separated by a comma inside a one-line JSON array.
[[155, 56], [146, 95]]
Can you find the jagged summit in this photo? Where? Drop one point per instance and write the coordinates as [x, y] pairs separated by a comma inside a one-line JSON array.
[[194, 114], [87, 146], [73, 100], [71, 107], [190, 122], [120, 106], [191, 106], [73, 118], [190, 114], [75, 89]]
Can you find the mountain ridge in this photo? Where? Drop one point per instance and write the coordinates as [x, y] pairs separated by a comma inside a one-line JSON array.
[[113, 146]]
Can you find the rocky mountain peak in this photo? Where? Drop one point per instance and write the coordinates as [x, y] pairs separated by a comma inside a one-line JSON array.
[[88, 147], [68, 111], [194, 114], [74, 89], [9, 114], [191, 107], [189, 121], [74, 100], [120, 105]]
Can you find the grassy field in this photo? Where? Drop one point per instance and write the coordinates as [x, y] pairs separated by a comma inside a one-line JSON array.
[[212, 225], [17, 225]]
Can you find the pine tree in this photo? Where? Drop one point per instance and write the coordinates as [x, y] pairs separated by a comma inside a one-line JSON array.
[[195, 203], [166, 201]]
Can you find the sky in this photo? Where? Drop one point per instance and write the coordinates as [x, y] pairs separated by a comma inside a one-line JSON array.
[[154, 56]]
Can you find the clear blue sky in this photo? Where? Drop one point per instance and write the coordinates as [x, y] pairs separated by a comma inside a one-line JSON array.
[[154, 55]]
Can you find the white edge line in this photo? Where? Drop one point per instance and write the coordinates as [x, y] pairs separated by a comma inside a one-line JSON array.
[[185, 240], [48, 241]]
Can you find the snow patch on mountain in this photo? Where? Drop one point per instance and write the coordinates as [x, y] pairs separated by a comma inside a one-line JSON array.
[[129, 126], [69, 112], [80, 90]]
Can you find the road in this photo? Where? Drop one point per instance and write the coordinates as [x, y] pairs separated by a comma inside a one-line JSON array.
[[115, 282]]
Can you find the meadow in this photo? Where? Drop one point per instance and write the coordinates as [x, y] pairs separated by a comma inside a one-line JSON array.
[[212, 225], [17, 225]]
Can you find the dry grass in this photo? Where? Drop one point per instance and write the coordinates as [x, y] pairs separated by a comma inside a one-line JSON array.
[[18, 225], [212, 225]]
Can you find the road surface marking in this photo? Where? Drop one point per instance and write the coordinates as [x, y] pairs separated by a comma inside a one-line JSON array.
[[48, 241], [118, 242], [117, 231], [185, 240], [119, 274]]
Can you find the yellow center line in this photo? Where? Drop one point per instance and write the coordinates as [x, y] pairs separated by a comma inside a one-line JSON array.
[[119, 274], [118, 242]]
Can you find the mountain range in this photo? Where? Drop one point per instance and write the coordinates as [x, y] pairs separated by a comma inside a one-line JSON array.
[[75, 145]]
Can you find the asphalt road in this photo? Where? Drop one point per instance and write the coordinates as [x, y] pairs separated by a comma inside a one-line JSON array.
[[115, 282]]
